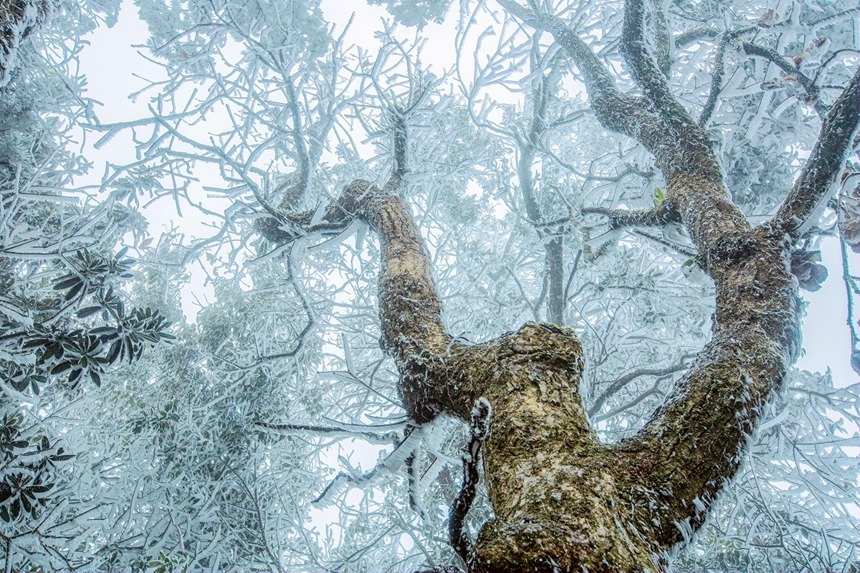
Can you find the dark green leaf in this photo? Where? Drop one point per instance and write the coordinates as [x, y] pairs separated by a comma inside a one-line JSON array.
[[88, 311], [114, 351], [61, 367], [73, 292], [74, 376], [34, 342], [67, 281]]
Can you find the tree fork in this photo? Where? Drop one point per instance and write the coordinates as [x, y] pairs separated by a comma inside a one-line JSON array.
[[562, 500]]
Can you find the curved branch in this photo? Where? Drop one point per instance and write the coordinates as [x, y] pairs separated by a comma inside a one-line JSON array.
[[553, 247], [298, 189], [458, 536], [684, 39], [617, 111], [771, 55], [716, 81], [851, 291], [824, 162], [662, 41], [617, 385], [695, 184], [383, 438], [399, 136]]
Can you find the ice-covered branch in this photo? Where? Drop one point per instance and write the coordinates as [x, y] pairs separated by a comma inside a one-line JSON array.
[[400, 139], [790, 69], [298, 187], [661, 40], [554, 246], [684, 154], [617, 111], [17, 21], [716, 81], [384, 436], [662, 214], [852, 291], [655, 85], [824, 163], [618, 384], [402, 451], [458, 536]]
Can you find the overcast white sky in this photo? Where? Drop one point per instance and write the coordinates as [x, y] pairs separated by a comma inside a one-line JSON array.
[[111, 64]]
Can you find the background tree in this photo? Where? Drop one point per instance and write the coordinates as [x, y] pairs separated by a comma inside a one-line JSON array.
[[64, 320], [572, 166]]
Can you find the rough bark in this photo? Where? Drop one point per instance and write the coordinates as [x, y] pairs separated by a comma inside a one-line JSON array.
[[563, 501]]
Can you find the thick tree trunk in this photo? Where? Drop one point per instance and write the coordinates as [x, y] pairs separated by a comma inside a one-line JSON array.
[[562, 500]]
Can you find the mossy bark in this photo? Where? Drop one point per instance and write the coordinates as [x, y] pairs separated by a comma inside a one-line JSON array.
[[562, 500]]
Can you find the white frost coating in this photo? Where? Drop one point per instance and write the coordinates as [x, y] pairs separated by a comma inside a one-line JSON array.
[[482, 411], [814, 215], [193, 409], [16, 313], [686, 529], [15, 36], [783, 416]]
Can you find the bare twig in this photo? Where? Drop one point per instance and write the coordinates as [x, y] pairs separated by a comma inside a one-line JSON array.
[[619, 383]]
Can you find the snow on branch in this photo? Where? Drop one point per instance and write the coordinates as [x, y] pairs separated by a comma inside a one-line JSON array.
[[821, 170], [620, 112], [371, 434], [649, 77], [457, 534], [621, 382], [661, 214], [398, 457]]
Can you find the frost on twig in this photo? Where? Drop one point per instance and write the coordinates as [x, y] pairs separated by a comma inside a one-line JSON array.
[[399, 456], [478, 430], [661, 214]]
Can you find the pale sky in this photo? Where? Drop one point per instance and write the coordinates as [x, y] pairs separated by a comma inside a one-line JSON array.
[[111, 64]]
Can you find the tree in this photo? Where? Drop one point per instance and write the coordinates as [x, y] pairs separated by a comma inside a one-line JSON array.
[[527, 202], [64, 318]]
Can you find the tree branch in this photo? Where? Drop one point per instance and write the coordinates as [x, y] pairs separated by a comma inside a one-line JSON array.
[[695, 185], [617, 111], [617, 385], [824, 162], [655, 86], [553, 247], [386, 437], [458, 536], [295, 192], [662, 42], [771, 55], [662, 214], [716, 81]]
